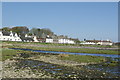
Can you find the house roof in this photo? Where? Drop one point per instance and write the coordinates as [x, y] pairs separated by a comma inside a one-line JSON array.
[[49, 37], [5, 33], [93, 41], [105, 41], [26, 38], [96, 41]]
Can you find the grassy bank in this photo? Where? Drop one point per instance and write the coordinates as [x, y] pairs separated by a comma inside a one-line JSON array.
[[82, 58], [8, 53], [74, 50], [56, 44], [52, 47]]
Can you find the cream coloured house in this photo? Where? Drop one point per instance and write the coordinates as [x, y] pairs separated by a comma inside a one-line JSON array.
[[107, 42], [97, 42]]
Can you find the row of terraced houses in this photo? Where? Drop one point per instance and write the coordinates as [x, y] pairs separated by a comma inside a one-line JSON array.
[[12, 36]]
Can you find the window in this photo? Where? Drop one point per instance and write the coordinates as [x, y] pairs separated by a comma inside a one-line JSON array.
[[10, 35]]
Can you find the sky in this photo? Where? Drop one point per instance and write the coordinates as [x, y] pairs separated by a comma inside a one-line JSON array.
[[83, 20], [60, 0]]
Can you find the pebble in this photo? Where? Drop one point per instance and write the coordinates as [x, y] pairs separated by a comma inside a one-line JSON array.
[[10, 71]]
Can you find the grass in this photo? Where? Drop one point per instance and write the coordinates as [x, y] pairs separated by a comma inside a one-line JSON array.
[[52, 47], [56, 44], [82, 58], [74, 50], [0, 51], [8, 53]]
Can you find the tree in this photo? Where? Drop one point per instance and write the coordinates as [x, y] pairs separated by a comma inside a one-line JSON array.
[[6, 29], [34, 31], [20, 30], [40, 32], [77, 41], [47, 31]]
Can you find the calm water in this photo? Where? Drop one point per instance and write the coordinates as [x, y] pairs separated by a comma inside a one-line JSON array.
[[91, 54]]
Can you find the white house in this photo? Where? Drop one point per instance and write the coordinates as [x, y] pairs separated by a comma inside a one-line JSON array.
[[88, 43], [58, 40], [9, 36], [49, 40], [35, 39], [66, 41]]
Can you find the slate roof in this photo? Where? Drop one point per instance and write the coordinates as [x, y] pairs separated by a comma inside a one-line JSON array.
[[5, 33], [26, 39], [93, 41], [96, 41]]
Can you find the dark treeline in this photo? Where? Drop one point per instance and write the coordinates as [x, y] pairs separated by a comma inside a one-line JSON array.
[[22, 30]]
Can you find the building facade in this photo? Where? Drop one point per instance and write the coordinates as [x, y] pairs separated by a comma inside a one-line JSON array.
[[9, 36], [97, 42], [66, 41], [49, 40]]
